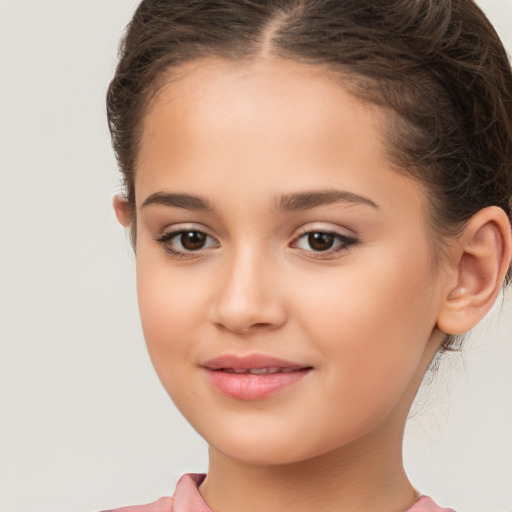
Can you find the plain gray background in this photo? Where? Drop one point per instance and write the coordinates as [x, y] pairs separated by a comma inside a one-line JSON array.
[[85, 424]]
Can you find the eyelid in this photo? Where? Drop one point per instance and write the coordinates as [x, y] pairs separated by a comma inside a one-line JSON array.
[[165, 236], [346, 241], [182, 227], [319, 227]]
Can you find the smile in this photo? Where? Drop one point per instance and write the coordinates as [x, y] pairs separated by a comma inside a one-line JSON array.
[[258, 371], [252, 377]]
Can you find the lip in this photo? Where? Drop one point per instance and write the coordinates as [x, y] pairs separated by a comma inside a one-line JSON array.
[[247, 361], [226, 374]]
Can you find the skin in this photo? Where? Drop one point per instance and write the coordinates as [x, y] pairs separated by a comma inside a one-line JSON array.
[[366, 315]]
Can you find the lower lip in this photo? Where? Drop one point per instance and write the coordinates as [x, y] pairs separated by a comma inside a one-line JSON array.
[[245, 386]]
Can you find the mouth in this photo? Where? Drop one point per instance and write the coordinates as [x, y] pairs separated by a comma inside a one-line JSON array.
[[258, 371], [253, 377]]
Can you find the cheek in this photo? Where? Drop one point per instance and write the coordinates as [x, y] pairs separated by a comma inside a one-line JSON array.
[[373, 318], [171, 307]]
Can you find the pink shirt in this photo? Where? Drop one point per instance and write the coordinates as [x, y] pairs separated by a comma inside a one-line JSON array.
[[187, 499]]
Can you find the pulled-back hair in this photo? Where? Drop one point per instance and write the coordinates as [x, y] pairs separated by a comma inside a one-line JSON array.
[[437, 66]]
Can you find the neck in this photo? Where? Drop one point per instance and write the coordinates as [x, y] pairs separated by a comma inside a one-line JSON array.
[[367, 475]]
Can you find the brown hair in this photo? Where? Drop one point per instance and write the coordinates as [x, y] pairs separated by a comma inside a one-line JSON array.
[[438, 65]]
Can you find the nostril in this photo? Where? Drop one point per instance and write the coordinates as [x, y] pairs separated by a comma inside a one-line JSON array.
[[244, 329], [260, 325], [247, 302]]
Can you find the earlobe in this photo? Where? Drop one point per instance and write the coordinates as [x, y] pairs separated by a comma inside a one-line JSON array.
[[480, 261], [122, 210]]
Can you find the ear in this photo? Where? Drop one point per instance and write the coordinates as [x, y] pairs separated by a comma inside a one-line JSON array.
[[479, 263], [122, 210]]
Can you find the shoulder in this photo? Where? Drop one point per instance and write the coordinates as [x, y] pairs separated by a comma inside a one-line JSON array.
[[186, 498], [426, 504], [161, 505]]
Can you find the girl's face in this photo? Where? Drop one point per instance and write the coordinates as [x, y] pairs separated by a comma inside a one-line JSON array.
[[286, 278]]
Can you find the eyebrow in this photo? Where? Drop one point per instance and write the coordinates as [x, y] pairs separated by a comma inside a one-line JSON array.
[[289, 202], [187, 201], [307, 200]]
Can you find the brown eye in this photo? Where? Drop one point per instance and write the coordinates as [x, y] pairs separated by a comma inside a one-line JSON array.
[[193, 240], [321, 241], [327, 242], [186, 243]]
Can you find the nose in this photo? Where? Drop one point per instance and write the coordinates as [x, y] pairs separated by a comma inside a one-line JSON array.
[[248, 298]]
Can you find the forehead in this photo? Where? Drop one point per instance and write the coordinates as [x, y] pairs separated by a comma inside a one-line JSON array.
[[216, 98], [270, 126]]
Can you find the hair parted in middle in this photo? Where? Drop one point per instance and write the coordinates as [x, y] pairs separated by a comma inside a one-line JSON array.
[[437, 66]]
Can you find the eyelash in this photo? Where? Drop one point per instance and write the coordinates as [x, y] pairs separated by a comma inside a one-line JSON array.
[[165, 241], [344, 243]]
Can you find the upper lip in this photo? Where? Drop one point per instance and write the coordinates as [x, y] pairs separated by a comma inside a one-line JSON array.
[[249, 361]]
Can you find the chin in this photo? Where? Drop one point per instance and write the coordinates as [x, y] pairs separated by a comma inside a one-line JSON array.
[[272, 449], [264, 455]]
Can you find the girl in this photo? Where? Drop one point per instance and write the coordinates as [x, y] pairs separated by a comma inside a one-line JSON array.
[[319, 198]]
